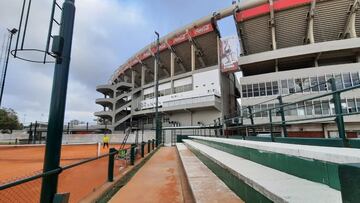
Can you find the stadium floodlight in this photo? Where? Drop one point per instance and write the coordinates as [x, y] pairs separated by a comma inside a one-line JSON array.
[[12, 32]]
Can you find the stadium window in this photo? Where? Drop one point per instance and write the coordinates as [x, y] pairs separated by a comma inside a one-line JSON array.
[[249, 90], [306, 84], [256, 90], [244, 91], [277, 109], [325, 107], [355, 78], [314, 84], [291, 86], [264, 113], [298, 85], [256, 110], [262, 89], [328, 77], [332, 107], [268, 88], [275, 87], [273, 111], [338, 82], [301, 109], [322, 82], [309, 108], [317, 108], [244, 111], [284, 87], [293, 110], [358, 104], [344, 106], [351, 105], [347, 80]]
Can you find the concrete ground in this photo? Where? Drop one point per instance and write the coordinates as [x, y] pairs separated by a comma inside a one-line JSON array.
[[161, 179]]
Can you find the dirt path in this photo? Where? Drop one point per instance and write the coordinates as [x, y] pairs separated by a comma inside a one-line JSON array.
[[159, 180]]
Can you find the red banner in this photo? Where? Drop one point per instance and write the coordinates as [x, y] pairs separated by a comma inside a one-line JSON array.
[[162, 47], [177, 40], [144, 55], [201, 30], [133, 62], [265, 8]]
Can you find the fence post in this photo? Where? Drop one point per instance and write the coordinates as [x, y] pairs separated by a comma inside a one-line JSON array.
[[132, 154], [112, 152], [148, 146], [271, 126], [153, 144], [142, 149], [252, 120], [338, 111], [282, 113]]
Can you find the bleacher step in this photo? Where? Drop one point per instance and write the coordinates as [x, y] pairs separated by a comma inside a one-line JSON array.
[[205, 185], [274, 185]]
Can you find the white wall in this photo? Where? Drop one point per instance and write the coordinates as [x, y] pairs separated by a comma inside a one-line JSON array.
[[204, 83]]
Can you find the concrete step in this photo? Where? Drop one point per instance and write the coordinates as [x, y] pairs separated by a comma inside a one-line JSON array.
[[205, 185], [254, 182]]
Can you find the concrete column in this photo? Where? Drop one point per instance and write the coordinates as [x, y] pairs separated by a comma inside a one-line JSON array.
[[143, 75], [172, 64], [133, 77], [193, 57]]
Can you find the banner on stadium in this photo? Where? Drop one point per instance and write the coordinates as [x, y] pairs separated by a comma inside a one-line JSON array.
[[230, 51]]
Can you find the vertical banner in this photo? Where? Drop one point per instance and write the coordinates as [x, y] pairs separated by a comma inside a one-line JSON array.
[[230, 51]]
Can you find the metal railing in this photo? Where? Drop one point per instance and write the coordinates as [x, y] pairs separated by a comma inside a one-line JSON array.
[[7, 192], [237, 121]]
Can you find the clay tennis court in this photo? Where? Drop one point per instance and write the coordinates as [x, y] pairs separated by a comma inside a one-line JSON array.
[[23, 161]]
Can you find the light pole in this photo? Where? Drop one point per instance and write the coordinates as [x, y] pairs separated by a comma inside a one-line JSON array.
[[12, 33], [157, 124]]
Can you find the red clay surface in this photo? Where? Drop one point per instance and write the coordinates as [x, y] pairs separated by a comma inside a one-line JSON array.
[[23, 161], [159, 180]]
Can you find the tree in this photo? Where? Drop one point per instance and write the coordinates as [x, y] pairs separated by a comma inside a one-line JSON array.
[[9, 120]]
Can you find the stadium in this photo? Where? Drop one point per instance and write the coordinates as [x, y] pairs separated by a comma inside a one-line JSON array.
[[270, 114], [282, 48]]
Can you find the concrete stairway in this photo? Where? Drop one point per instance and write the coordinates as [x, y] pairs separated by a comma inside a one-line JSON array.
[[268, 172]]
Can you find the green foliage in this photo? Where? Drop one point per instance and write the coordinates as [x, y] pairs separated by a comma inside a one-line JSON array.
[[9, 120]]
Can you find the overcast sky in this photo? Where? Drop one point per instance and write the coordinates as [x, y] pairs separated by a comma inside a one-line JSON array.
[[107, 32]]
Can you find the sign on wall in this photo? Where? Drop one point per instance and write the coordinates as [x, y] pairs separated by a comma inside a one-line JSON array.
[[230, 51]]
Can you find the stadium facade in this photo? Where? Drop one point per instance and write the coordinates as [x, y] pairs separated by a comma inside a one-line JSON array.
[[286, 46]]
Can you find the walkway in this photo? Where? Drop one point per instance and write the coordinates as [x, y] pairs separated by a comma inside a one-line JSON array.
[[161, 179]]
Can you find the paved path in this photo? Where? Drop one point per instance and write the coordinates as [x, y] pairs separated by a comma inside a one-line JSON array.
[[161, 179]]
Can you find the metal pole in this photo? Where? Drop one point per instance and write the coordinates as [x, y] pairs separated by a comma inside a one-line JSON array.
[[252, 120], [271, 126], [35, 132], [112, 152], [338, 110], [12, 32], [157, 124], [282, 113], [30, 134], [57, 106]]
